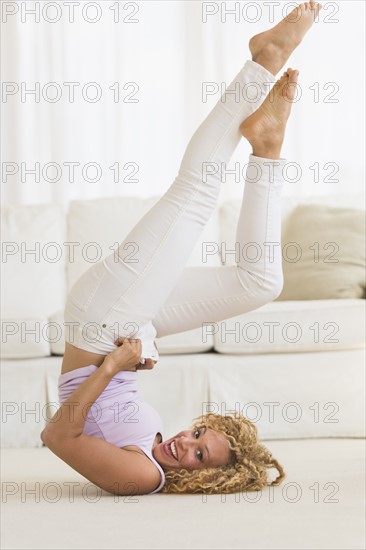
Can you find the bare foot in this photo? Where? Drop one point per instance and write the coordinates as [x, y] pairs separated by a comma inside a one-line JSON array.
[[265, 128], [272, 48]]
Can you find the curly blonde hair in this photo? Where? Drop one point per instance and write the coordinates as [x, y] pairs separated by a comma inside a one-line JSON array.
[[247, 470]]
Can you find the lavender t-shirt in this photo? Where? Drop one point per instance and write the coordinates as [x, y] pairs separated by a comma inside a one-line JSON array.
[[119, 415]]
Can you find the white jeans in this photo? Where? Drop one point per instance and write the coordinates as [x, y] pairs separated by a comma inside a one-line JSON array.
[[157, 295]]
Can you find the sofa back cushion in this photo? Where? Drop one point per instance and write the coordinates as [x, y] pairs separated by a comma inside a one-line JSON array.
[[33, 260], [33, 276], [324, 254], [293, 327]]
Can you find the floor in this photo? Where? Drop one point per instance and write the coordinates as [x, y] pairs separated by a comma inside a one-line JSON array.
[[321, 505]]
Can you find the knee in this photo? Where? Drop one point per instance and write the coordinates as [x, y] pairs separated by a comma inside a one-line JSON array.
[[268, 293], [275, 287], [265, 289]]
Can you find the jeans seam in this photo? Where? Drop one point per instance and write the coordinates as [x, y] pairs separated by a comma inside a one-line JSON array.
[[247, 293]]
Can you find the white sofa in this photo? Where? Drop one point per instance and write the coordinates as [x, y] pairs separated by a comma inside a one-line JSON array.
[[311, 387], [305, 396]]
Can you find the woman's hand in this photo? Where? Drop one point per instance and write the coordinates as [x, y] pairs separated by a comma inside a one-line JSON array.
[[126, 357]]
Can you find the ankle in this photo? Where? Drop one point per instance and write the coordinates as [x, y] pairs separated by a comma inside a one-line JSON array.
[[267, 152], [270, 59]]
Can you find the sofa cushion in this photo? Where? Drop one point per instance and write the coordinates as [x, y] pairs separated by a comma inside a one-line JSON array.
[[24, 401], [33, 283], [97, 227], [229, 212], [324, 254], [189, 341], [292, 395], [280, 327], [182, 342], [57, 333], [24, 338]]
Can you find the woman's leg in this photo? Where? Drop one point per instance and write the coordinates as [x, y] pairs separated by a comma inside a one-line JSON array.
[[129, 288], [210, 294], [123, 291]]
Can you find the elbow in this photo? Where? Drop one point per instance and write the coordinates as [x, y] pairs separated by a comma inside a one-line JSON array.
[[46, 437], [49, 438], [55, 439]]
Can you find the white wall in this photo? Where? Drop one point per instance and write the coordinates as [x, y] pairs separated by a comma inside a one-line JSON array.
[[169, 53]]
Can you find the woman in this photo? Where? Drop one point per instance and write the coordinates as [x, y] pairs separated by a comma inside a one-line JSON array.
[[103, 429]]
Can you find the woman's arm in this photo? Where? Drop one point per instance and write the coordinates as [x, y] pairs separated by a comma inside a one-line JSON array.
[[116, 470], [70, 418]]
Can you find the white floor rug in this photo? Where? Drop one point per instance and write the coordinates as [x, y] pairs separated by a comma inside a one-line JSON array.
[[321, 505]]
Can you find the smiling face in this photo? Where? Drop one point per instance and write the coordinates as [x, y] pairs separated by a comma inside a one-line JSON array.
[[194, 450]]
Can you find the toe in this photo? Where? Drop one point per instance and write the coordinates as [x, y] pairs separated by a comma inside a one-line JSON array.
[[315, 6], [281, 82], [289, 90], [293, 77]]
